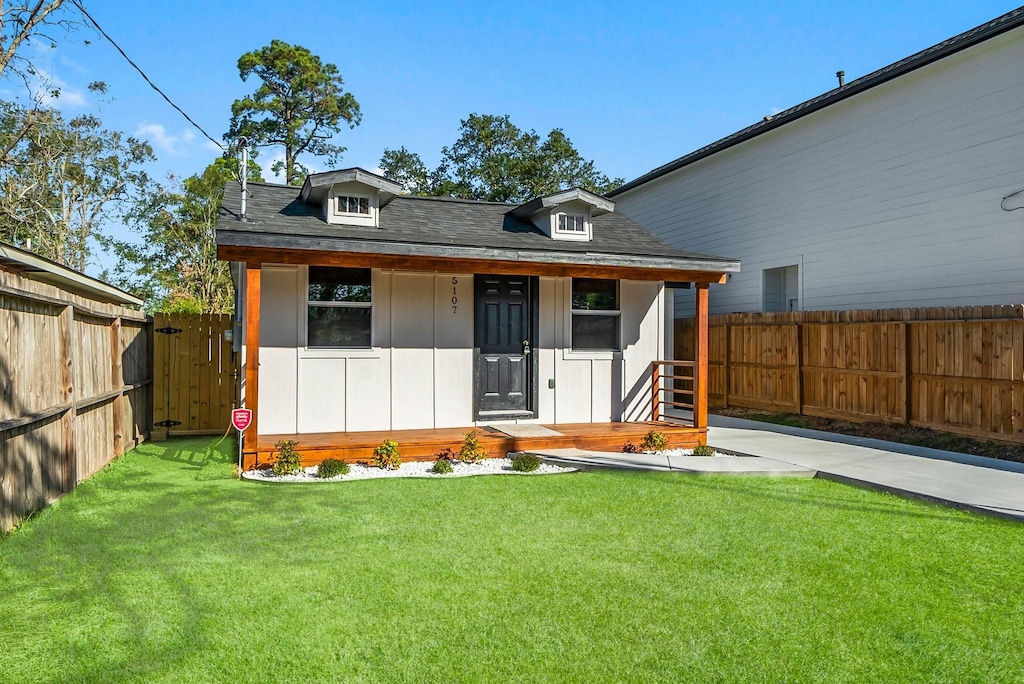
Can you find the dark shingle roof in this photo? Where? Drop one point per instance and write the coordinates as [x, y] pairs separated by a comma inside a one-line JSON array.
[[998, 26], [275, 211]]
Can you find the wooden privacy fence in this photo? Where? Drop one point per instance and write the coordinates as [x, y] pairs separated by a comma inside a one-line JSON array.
[[74, 390], [195, 376], [955, 369]]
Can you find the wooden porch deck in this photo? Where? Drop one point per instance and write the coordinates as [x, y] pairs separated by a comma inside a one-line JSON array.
[[422, 445]]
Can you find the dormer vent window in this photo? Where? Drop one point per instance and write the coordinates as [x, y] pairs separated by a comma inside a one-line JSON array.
[[572, 223], [353, 205], [565, 215]]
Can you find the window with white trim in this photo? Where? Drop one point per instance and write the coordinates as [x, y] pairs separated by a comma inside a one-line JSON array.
[[347, 204], [572, 223], [595, 314], [339, 307]]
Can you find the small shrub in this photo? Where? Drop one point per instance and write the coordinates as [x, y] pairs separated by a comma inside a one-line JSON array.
[[703, 450], [525, 463], [332, 467], [654, 441], [288, 459], [445, 454], [471, 451], [386, 456], [630, 448], [442, 466]]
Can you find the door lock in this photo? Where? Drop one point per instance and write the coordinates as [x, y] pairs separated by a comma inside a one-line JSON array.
[[526, 347]]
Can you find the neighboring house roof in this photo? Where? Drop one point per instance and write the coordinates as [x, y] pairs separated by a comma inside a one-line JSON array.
[[987, 31], [277, 218], [35, 267]]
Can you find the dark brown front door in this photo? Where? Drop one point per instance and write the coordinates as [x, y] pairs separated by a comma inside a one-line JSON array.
[[504, 363]]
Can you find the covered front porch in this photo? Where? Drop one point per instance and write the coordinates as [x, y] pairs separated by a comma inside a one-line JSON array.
[[423, 445]]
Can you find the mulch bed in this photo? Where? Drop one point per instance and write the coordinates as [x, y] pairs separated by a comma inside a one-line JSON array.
[[904, 434]]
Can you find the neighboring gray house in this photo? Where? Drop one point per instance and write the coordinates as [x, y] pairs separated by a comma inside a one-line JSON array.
[[893, 190]]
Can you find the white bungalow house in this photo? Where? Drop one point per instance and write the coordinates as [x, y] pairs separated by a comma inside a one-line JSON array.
[[367, 312], [902, 188]]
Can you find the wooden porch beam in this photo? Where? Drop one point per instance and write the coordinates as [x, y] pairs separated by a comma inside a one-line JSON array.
[[253, 272], [700, 385], [459, 265]]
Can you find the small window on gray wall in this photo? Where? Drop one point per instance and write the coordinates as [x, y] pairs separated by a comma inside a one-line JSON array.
[[595, 314], [781, 289], [339, 307]]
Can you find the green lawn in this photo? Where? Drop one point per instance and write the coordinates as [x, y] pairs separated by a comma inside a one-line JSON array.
[[162, 568]]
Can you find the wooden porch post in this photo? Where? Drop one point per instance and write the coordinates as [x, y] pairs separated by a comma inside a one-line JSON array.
[[700, 383], [252, 360]]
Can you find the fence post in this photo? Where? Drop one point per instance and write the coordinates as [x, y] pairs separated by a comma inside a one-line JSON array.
[[67, 380], [798, 380], [905, 371], [117, 383], [726, 355]]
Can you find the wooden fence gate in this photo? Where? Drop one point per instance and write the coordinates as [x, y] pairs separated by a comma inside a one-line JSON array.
[[195, 374]]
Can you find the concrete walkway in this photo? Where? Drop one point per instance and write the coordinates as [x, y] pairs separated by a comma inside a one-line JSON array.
[[971, 482], [723, 465]]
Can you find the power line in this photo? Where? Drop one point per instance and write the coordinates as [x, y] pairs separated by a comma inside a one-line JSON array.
[[199, 128]]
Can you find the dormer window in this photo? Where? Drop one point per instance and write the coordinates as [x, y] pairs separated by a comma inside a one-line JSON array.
[[567, 215], [572, 223], [346, 204], [350, 197]]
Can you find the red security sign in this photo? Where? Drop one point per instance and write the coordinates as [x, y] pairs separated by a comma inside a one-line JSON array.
[[241, 418]]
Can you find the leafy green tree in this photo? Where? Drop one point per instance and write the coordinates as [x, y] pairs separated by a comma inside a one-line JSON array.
[[39, 22], [300, 105], [63, 180], [175, 266], [407, 169], [493, 160]]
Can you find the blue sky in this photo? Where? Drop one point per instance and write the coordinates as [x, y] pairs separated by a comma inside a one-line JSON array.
[[633, 85]]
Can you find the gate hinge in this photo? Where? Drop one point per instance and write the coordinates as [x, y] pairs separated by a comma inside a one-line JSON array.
[[168, 330]]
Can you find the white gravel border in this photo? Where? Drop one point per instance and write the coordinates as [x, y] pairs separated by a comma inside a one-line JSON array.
[[488, 466]]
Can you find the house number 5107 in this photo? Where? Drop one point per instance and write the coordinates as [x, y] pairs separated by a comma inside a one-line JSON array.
[[455, 294]]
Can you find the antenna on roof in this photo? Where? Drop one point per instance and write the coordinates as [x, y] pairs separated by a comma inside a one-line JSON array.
[[244, 144], [841, 75]]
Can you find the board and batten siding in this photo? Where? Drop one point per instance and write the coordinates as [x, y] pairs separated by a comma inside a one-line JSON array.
[[419, 373], [888, 199]]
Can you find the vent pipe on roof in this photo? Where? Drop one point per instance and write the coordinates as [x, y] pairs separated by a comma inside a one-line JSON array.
[[244, 144], [841, 75]]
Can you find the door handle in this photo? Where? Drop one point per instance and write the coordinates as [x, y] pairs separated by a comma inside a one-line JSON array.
[[526, 347]]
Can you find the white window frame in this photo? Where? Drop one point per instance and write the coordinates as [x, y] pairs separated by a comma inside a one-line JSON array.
[[617, 313], [578, 219], [339, 212], [349, 305], [796, 260]]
